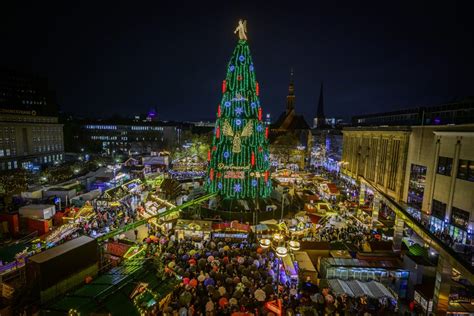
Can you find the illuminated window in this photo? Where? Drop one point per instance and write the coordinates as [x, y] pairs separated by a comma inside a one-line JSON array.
[[445, 165]]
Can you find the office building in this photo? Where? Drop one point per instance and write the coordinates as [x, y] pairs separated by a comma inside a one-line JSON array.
[[127, 136], [30, 135]]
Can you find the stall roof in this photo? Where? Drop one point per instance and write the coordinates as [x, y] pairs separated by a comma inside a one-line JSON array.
[[340, 254], [61, 249], [333, 188], [194, 224], [231, 226], [357, 288], [304, 261]]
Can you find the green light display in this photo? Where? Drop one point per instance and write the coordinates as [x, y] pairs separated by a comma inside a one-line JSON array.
[[239, 158]]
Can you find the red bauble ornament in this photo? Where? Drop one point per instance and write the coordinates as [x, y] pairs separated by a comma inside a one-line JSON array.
[[214, 148], [224, 86], [266, 132], [211, 174], [257, 89], [218, 174], [208, 155], [266, 176], [260, 149], [259, 114], [219, 110], [252, 159], [239, 77], [218, 132]]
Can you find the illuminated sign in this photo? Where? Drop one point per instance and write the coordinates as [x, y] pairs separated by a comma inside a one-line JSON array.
[[234, 175]]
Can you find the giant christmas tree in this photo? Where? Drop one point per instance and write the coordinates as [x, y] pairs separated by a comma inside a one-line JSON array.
[[239, 158]]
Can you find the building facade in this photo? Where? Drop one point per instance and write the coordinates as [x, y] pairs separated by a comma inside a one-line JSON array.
[[21, 91], [378, 155], [458, 112], [29, 141], [439, 181], [30, 135], [128, 137]]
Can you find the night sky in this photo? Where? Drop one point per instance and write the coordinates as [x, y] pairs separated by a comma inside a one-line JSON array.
[[125, 57]]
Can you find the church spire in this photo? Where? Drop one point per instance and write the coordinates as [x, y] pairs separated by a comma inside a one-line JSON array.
[[320, 117], [290, 99]]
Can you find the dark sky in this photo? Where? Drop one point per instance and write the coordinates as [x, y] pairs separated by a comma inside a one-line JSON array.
[[106, 57]]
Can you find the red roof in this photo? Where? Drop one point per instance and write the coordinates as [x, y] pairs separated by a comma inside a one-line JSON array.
[[314, 218], [235, 226], [333, 188]]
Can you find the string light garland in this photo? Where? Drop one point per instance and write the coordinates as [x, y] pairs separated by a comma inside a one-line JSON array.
[[238, 166]]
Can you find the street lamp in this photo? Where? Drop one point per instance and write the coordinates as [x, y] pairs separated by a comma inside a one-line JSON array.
[[281, 249]]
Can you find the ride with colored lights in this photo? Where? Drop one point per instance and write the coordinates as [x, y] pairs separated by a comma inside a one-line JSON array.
[[239, 158]]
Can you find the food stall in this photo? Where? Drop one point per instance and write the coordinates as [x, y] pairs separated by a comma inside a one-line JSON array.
[[194, 229], [234, 231]]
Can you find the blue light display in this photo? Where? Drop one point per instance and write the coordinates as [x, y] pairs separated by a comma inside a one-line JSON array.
[[239, 110], [237, 187]]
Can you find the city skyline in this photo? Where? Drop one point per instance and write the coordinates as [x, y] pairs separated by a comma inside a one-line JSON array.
[[105, 60]]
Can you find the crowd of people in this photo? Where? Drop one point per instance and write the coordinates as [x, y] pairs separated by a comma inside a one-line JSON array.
[[239, 278]]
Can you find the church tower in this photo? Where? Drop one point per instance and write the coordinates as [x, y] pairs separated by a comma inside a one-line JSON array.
[[320, 120], [290, 98]]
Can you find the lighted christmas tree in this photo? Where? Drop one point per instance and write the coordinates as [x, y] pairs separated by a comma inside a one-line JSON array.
[[239, 159]]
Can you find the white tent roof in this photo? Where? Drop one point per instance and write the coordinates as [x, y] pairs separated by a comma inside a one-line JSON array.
[[357, 288]]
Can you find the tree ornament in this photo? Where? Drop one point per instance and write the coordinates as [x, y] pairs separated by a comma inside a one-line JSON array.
[[224, 86], [226, 154], [214, 148], [219, 110], [239, 77], [218, 132], [251, 67], [266, 132], [252, 159], [257, 89], [236, 141], [259, 114], [227, 104], [219, 185], [239, 111], [211, 174], [254, 182], [237, 187], [242, 58], [231, 68], [266, 176], [208, 155]]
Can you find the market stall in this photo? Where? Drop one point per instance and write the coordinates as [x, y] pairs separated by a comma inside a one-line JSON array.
[[234, 231], [194, 229]]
